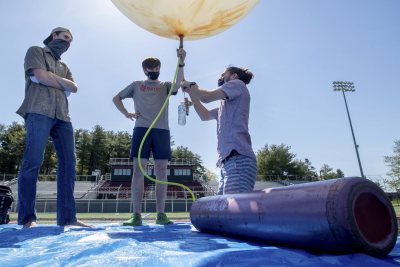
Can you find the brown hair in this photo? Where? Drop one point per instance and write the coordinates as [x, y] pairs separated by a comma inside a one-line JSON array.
[[151, 63], [243, 74]]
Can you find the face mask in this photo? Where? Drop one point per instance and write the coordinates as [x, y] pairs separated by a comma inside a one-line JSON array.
[[153, 75], [221, 81], [58, 47]]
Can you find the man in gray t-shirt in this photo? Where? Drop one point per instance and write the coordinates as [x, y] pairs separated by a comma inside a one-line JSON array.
[[235, 155], [148, 98]]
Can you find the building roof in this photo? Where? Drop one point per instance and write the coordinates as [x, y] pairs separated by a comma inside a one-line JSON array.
[[174, 162]]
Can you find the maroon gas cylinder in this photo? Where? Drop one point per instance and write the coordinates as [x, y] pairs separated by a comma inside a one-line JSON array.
[[344, 215]]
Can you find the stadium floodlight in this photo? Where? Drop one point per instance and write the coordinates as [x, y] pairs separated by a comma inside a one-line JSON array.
[[348, 87]]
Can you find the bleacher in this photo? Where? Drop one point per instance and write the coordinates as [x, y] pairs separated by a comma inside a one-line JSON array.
[[109, 190], [48, 190], [122, 190], [113, 190]]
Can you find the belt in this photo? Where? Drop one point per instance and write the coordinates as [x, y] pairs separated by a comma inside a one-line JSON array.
[[233, 153]]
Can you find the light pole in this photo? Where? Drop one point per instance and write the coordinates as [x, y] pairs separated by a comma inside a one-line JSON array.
[[349, 87]]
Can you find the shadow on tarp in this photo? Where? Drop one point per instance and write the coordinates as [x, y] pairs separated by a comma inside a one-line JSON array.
[[194, 241], [153, 245], [189, 240], [10, 237], [284, 257]]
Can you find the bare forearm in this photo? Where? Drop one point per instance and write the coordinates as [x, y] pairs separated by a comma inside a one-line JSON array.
[[66, 84], [180, 77], [201, 110], [208, 96], [120, 106], [55, 81]]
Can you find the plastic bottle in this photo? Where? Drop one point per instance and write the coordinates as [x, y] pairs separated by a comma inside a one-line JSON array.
[[182, 114]]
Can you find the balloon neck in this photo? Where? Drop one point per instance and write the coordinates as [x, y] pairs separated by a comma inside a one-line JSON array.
[[181, 40]]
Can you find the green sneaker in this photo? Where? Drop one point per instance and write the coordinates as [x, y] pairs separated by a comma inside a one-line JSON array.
[[135, 220], [163, 219]]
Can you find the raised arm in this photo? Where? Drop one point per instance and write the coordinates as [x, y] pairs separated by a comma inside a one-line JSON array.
[[203, 95], [181, 53]]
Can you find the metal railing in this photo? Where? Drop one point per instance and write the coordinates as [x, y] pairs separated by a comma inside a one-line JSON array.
[[127, 161], [125, 193], [6, 177], [111, 205], [177, 201]]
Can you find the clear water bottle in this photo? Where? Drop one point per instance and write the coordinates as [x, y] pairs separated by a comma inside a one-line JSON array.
[[181, 114]]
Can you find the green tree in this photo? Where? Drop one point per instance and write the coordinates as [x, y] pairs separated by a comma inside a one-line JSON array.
[[305, 170], [3, 155], [2, 129], [184, 153], [393, 162], [339, 173], [326, 172], [12, 142], [49, 159], [119, 144], [83, 144], [98, 150], [276, 161], [211, 176]]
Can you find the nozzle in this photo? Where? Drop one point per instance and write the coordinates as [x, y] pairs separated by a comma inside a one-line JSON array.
[[181, 41]]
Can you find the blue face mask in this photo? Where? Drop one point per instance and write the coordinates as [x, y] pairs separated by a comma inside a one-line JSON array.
[[153, 75], [221, 81], [58, 47]]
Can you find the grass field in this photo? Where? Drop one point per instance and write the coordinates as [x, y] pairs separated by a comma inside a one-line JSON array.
[[397, 210], [105, 217]]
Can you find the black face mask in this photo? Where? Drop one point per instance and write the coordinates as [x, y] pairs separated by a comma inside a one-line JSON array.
[[58, 47], [153, 75], [221, 81]]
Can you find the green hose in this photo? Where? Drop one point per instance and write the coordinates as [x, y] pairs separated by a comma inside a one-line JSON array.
[[147, 133]]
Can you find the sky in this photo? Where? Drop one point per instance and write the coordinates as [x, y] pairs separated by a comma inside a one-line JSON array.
[[295, 48]]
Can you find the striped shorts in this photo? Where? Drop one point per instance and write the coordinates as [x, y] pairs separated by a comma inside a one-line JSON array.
[[238, 175]]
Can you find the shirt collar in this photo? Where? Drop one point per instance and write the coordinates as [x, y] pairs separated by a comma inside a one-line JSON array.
[[48, 50]]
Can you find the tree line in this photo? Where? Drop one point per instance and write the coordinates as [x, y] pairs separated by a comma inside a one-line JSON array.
[[93, 150], [393, 163], [95, 147], [277, 162]]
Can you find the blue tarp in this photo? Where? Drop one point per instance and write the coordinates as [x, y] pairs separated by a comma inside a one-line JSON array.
[[153, 245]]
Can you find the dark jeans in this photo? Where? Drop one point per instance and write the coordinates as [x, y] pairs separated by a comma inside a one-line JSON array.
[[38, 130]]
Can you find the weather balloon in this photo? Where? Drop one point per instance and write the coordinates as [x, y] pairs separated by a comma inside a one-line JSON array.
[[191, 19]]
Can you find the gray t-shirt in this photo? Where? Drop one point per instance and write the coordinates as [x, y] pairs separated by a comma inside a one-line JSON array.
[[232, 121], [148, 98]]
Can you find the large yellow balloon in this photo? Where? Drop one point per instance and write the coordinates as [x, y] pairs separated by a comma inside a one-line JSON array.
[[193, 19]]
